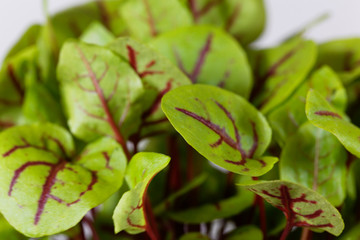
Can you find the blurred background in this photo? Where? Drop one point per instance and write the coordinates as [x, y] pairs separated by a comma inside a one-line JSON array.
[[284, 17]]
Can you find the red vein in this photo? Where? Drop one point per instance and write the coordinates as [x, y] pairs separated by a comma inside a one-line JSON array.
[[94, 180], [201, 59], [103, 13], [272, 71], [50, 181], [150, 19], [23, 168], [95, 81], [132, 55], [157, 100], [107, 159], [230, 22], [197, 13], [15, 81], [4, 124], [328, 113]]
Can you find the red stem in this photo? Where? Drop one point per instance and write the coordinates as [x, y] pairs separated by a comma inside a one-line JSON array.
[[287, 230], [90, 223], [151, 226], [260, 203]]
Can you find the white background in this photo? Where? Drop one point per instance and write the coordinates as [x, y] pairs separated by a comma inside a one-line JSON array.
[[283, 18]]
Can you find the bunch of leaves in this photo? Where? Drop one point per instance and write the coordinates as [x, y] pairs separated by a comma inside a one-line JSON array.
[[170, 96]]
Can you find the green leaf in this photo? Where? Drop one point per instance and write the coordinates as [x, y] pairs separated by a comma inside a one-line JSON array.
[[158, 76], [12, 86], [194, 236], [343, 57], [323, 115], [97, 34], [146, 19], [209, 212], [212, 120], [27, 39], [243, 19], [45, 189], [248, 232], [70, 24], [315, 158], [129, 214], [302, 206], [100, 92], [280, 71], [208, 55], [40, 106], [287, 118]]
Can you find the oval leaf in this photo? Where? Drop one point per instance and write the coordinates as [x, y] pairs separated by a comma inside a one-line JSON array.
[[287, 118], [315, 158], [343, 57], [129, 214], [280, 71], [100, 92], [243, 19], [44, 189], [158, 75], [323, 115], [222, 126], [147, 18], [302, 206], [208, 55]]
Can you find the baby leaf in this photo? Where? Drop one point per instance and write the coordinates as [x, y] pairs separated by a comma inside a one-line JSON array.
[[287, 118], [12, 86], [147, 18], [221, 126], [44, 190], [323, 115], [280, 71], [343, 57], [130, 213], [100, 92], [158, 76], [302, 206], [208, 55], [97, 34], [27, 39], [315, 158], [243, 19]]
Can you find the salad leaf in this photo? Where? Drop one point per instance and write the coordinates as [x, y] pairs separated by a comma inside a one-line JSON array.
[[315, 158], [100, 92], [279, 71], [130, 213], [208, 55], [243, 19], [44, 182], [146, 19], [302, 206], [212, 121], [323, 115]]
